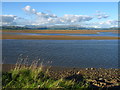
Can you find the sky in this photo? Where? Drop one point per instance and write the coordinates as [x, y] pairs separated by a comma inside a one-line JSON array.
[[60, 1], [83, 14]]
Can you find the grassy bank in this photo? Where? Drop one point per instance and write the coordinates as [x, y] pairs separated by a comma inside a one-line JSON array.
[[33, 76]]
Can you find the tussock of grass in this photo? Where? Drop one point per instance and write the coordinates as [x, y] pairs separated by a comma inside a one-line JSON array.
[[23, 76]]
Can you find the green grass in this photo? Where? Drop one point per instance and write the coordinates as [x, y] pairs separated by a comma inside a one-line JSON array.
[[34, 77]]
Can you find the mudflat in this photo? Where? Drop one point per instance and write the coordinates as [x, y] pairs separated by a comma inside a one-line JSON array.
[[61, 31], [57, 37]]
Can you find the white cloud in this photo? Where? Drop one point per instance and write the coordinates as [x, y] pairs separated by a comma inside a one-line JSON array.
[[13, 20], [41, 18], [109, 23], [103, 24], [76, 18], [52, 19], [29, 10], [101, 15], [8, 19]]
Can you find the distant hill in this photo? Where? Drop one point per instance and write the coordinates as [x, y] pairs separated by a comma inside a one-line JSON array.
[[32, 27]]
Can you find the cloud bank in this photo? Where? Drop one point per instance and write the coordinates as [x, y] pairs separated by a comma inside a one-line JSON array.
[[8, 19], [41, 18], [13, 20], [52, 19], [103, 24]]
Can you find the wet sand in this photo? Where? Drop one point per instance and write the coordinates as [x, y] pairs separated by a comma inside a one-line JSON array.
[[61, 31], [57, 37]]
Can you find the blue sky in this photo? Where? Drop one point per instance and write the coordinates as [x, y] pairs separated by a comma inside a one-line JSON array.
[[62, 8], [60, 1]]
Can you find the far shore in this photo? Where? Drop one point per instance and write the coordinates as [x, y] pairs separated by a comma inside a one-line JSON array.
[[57, 37]]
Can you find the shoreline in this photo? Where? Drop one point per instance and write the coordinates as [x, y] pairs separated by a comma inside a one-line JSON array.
[[98, 77], [8, 67]]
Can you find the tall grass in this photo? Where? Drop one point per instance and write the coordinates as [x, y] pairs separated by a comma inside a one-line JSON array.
[[32, 76]]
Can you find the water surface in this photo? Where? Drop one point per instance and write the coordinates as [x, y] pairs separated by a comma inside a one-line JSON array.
[[66, 34], [67, 53]]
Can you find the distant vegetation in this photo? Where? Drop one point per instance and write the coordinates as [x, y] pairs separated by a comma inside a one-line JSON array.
[[32, 27]]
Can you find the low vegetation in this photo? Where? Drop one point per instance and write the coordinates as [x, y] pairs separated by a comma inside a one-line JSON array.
[[33, 77], [24, 75]]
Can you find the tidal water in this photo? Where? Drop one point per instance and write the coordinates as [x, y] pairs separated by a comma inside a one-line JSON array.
[[66, 53], [98, 34]]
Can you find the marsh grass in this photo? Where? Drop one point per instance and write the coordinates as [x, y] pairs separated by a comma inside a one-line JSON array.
[[32, 76]]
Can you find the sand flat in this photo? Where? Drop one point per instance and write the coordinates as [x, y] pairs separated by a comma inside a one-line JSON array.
[[57, 37], [61, 31]]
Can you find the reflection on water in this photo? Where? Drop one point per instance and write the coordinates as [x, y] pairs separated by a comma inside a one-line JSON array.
[[69, 53]]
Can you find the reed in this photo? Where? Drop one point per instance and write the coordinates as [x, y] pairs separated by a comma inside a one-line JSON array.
[[32, 76]]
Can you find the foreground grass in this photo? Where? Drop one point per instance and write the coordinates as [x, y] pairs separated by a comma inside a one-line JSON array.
[[34, 77]]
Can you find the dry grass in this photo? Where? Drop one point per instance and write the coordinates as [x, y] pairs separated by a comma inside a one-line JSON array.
[[32, 76]]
